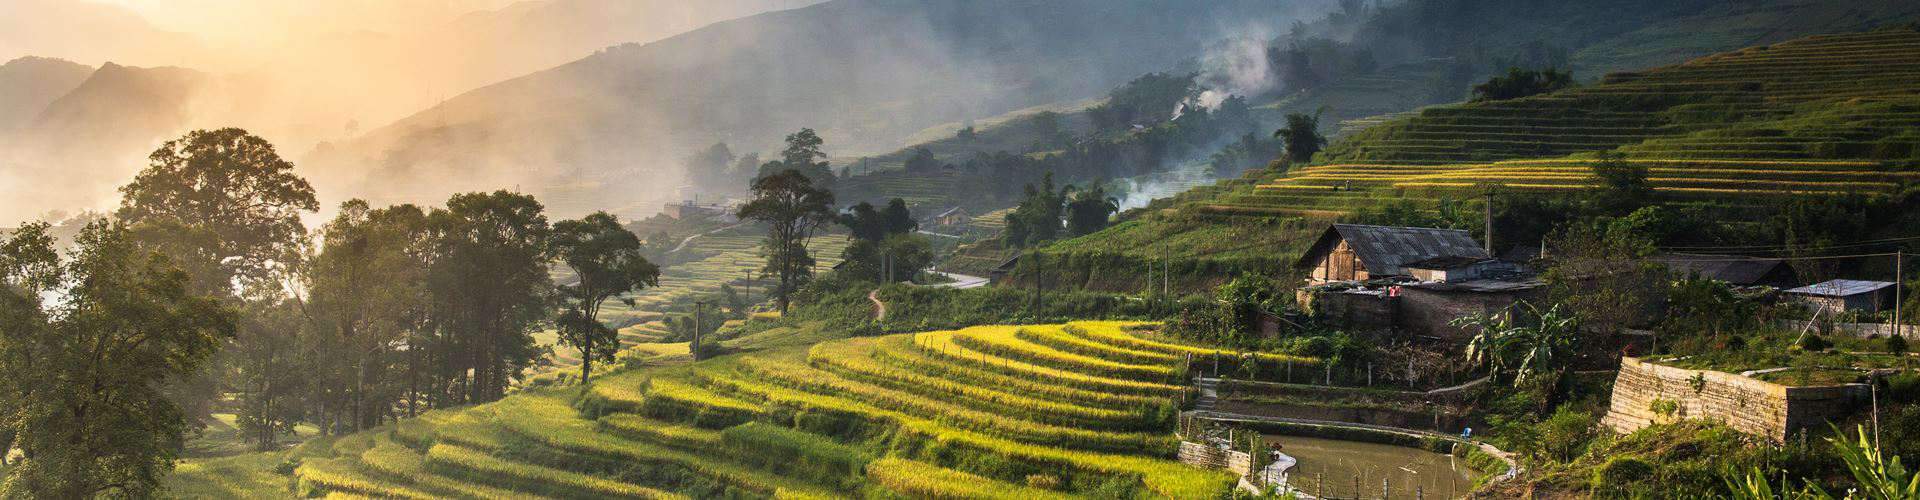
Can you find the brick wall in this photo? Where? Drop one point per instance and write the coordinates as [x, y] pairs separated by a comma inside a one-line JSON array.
[[1746, 404]]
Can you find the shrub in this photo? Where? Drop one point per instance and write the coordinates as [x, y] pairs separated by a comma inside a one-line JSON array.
[[1618, 473]]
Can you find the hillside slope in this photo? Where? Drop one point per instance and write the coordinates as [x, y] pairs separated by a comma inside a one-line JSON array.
[[866, 73], [95, 137], [952, 414], [1821, 115], [29, 84]]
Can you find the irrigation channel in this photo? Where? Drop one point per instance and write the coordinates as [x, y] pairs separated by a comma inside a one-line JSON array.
[[1329, 468]]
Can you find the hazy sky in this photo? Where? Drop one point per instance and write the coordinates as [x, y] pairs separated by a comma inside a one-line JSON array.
[[245, 22]]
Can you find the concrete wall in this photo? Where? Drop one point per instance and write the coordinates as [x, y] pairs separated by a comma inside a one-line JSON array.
[[1353, 312], [1746, 404], [1428, 312]]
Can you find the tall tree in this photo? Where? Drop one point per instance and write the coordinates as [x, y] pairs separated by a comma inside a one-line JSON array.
[[606, 262], [792, 208], [1037, 218], [1089, 210], [897, 219], [489, 286], [367, 294], [222, 204], [81, 380], [803, 153], [225, 208], [1302, 136]]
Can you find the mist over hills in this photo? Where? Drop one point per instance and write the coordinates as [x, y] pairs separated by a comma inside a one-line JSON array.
[[866, 73], [29, 84]]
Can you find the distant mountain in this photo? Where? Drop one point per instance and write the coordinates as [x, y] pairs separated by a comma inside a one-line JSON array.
[[90, 33], [94, 138], [29, 84], [866, 73]]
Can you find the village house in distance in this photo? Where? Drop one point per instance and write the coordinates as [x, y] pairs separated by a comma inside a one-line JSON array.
[[1409, 280]]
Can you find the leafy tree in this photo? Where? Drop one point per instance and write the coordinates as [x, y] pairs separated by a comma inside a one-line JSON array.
[[1302, 136], [1089, 210], [1626, 183], [271, 370], [225, 208], [792, 208], [1518, 83], [897, 219], [803, 154], [864, 222], [905, 253], [1037, 218], [368, 294], [222, 204], [1146, 100], [606, 262], [1598, 270], [922, 160], [81, 379], [489, 286]]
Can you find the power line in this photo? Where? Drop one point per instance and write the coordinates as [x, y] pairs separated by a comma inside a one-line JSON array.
[[1816, 257], [1792, 247]]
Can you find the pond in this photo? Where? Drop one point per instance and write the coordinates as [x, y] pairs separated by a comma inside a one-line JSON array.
[[1338, 464]]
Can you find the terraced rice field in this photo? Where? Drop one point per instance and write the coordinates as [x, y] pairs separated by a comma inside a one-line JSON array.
[[1821, 115], [730, 257], [1044, 411]]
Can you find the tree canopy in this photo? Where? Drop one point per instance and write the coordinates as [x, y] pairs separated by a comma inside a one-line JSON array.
[[792, 207], [606, 262]]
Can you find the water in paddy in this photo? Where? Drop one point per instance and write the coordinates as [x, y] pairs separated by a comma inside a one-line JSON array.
[[1435, 475]]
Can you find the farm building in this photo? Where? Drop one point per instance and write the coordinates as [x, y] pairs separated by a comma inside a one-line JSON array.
[[952, 217], [1436, 275], [693, 210], [1352, 252], [1733, 269], [1847, 295]]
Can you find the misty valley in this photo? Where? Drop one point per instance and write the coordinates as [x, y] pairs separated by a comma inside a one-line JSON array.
[[959, 249]]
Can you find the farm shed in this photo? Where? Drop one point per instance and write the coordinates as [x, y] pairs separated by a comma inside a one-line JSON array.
[[1847, 295], [1734, 269], [952, 217], [1348, 252]]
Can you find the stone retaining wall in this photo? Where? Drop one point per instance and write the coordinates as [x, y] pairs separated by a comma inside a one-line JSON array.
[[1210, 456], [1746, 404]]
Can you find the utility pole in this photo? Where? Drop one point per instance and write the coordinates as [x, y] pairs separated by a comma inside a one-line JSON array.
[[748, 286], [1899, 258], [693, 348], [1489, 207]]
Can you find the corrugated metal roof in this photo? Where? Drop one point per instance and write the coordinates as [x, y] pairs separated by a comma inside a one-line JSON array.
[[1840, 288], [1735, 269], [1386, 249]]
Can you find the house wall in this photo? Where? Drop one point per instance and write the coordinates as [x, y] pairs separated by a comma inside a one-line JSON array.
[[1424, 312], [1339, 264], [1353, 312], [1746, 404]]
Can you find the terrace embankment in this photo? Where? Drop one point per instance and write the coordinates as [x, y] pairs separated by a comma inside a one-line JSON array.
[[1647, 393]]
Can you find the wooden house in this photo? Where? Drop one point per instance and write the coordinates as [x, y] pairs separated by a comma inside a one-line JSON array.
[[1353, 252]]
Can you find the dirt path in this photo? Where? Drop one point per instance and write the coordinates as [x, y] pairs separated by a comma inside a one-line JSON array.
[[879, 308], [683, 243]]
